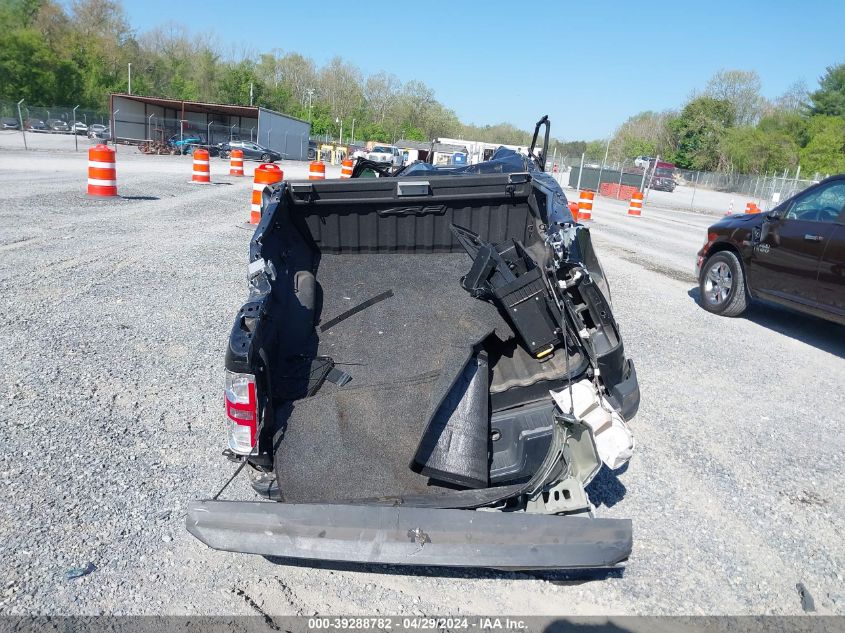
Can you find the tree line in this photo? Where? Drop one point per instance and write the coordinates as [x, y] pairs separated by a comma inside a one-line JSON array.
[[52, 53], [730, 126]]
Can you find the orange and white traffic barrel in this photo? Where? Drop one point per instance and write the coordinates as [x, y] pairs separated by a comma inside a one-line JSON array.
[[585, 206], [236, 163], [317, 170], [635, 207], [265, 174], [346, 168], [202, 167], [102, 173]]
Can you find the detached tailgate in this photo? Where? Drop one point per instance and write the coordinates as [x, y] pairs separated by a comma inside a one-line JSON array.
[[402, 535]]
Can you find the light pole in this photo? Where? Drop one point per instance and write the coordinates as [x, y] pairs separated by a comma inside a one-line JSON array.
[[208, 132], [129, 86], [75, 135], [251, 130], [339, 138], [352, 136], [20, 118], [310, 92]]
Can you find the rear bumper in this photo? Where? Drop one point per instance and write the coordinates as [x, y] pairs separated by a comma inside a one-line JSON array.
[[400, 535]]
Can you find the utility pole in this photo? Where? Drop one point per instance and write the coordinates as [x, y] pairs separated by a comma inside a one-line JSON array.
[[352, 136], [20, 118], [129, 88], [250, 93]]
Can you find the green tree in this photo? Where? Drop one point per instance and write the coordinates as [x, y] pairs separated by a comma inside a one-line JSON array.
[[699, 130], [825, 151], [829, 99], [754, 150]]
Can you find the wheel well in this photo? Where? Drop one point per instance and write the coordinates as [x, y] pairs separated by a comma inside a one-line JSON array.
[[719, 247]]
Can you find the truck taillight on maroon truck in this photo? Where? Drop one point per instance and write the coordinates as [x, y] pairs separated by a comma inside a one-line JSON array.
[[241, 413]]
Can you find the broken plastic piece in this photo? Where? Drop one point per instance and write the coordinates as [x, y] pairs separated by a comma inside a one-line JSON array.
[[79, 572], [614, 440]]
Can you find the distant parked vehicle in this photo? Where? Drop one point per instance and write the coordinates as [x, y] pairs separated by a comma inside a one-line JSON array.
[[186, 143], [37, 125], [386, 154], [80, 128], [9, 123], [57, 125], [251, 150], [643, 161], [664, 177], [312, 150], [98, 131]]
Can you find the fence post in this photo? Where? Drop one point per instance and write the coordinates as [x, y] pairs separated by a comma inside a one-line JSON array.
[[20, 118], [601, 169], [694, 186], [619, 187], [581, 171]]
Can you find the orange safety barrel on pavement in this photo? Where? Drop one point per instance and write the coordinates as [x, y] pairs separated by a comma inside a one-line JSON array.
[[635, 208], [585, 206], [236, 163], [265, 174], [202, 167], [102, 173], [346, 168], [317, 171]]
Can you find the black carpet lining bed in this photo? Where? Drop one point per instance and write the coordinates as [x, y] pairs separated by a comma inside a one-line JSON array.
[[403, 352]]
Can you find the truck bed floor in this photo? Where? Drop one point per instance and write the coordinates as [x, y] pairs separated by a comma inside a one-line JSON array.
[[357, 441]]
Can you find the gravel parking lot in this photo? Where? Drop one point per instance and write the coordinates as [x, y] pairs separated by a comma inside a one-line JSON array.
[[115, 314]]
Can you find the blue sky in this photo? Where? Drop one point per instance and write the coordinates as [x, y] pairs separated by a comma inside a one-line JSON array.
[[588, 65]]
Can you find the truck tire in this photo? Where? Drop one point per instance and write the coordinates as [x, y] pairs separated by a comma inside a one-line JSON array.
[[722, 285]]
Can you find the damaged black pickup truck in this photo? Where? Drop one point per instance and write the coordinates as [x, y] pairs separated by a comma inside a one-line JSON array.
[[427, 372]]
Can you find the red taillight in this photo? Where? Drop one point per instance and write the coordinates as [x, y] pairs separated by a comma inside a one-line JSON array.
[[241, 412], [711, 237]]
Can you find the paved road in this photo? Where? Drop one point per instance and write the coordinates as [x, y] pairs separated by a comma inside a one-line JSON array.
[[114, 319]]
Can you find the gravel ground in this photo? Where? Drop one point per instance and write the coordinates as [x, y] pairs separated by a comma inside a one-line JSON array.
[[115, 314]]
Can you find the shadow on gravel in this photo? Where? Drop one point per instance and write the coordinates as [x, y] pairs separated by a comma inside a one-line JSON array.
[[140, 198], [559, 577], [606, 489], [824, 335]]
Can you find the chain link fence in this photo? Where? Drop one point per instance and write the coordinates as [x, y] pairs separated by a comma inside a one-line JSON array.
[[767, 189]]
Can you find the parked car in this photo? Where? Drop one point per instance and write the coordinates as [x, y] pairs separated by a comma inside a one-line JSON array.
[[9, 123], [794, 256], [489, 374], [664, 177], [57, 125], [80, 128], [386, 154], [99, 131], [252, 151], [186, 142], [37, 125], [643, 161]]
